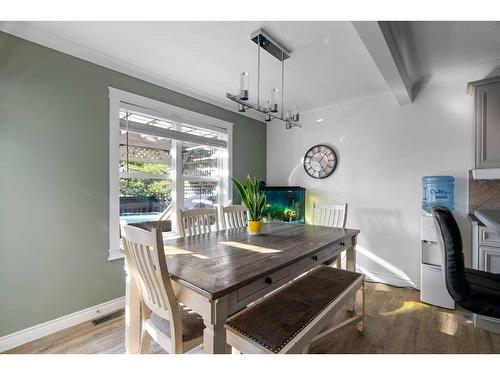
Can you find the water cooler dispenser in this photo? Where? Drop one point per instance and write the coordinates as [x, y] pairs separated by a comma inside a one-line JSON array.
[[436, 191]]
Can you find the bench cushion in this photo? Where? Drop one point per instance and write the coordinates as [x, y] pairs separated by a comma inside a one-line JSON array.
[[276, 319]]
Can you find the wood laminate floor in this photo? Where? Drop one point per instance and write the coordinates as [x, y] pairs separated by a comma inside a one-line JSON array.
[[396, 322]]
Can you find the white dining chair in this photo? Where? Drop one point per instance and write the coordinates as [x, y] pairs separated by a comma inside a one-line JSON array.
[[234, 216], [330, 215], [173, 326], [197, 221]]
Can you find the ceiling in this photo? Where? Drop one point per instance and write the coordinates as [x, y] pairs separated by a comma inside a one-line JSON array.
[[443, 46], [329, 63]]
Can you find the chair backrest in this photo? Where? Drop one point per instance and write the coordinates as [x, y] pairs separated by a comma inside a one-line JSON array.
[[123, 223], [235, 216], [329, 215], [450, 241], [197, 221], [146, 261]]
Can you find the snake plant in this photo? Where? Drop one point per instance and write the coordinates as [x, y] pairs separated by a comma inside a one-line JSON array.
[[251, 197]]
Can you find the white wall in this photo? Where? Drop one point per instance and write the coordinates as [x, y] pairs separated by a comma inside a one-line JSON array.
[[384, 149]]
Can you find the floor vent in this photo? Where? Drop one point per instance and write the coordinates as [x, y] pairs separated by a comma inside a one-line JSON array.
[[107, 318]]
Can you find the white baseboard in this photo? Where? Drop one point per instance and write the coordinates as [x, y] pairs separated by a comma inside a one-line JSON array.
[[40, 330], [390, 279], [487, 323]]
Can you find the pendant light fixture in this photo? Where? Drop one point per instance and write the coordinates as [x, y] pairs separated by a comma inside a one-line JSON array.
[[271, 109]]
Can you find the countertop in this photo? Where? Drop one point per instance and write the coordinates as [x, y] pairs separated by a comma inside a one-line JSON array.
[[489, 217], [474, 220]]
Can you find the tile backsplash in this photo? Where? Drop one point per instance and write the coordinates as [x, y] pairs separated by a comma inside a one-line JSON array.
[[483, 194]]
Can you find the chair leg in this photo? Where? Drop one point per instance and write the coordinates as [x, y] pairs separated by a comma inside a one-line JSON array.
[[234, 350], [361, 324], [338, 261], [145, 342]]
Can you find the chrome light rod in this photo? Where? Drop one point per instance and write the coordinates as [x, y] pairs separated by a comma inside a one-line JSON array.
[[289, 122]]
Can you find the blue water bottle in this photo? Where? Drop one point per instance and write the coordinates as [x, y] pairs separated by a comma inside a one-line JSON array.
[[438, 191]]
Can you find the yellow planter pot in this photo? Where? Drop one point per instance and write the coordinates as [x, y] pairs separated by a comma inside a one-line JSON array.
[[254, 227]]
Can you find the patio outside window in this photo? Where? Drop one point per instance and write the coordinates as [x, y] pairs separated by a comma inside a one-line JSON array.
[[153, 153]]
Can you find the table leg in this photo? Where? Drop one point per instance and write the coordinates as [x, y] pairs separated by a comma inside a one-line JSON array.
[[214, 340], [338, 261], [351, 266], [351, 259], [132, 316], [214, 334]]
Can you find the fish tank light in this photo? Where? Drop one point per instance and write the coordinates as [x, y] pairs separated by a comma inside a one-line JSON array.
[[284, 203]]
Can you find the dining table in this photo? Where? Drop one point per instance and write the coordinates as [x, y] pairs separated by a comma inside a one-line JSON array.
[[219, 273]]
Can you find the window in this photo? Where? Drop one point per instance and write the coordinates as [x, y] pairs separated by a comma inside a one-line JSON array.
[[163, 158], [145, 170], [200, 173]]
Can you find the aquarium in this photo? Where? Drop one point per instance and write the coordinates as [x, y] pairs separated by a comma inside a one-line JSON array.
[[284, 203]]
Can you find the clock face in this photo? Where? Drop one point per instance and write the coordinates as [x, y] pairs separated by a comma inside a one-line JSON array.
[[320, 161]]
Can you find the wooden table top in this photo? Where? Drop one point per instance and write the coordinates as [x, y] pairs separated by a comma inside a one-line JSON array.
[[218, 263]]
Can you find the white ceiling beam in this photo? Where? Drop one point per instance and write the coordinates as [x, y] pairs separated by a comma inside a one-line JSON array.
[[382, 45]]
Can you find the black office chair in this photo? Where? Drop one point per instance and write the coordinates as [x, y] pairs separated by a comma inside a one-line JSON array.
[[476, 291]]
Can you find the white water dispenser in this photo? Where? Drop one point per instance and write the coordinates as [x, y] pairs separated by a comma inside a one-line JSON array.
[[432, 283]]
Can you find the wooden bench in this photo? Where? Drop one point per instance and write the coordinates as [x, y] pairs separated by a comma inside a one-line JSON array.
[[294, 317]]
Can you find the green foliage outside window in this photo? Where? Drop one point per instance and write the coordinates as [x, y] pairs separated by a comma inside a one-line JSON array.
[[159, 189]]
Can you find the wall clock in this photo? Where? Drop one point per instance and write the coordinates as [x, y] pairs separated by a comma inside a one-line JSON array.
[[320, 161]]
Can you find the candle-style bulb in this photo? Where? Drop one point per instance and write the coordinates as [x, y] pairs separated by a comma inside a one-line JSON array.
[[274, 101], [244, 86], [268, 106], [296, 113]]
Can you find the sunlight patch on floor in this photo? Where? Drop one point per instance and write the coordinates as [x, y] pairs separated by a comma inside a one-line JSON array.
[[407, 307], [448, 323]]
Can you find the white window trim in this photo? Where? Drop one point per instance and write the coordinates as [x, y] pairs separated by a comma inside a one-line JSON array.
[[169, 111], [145, 176]]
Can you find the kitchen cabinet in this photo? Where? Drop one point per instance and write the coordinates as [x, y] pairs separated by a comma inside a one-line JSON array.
[[486, 94], [489, 259], [485, 257]]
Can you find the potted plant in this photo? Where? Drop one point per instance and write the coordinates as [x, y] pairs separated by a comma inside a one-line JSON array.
[[254, 200]]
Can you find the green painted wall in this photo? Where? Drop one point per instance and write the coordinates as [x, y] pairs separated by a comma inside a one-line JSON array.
[[54, 179]]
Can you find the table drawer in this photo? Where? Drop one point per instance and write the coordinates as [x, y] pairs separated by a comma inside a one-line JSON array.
[[262, 283], [320, 256], [488, 237]]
